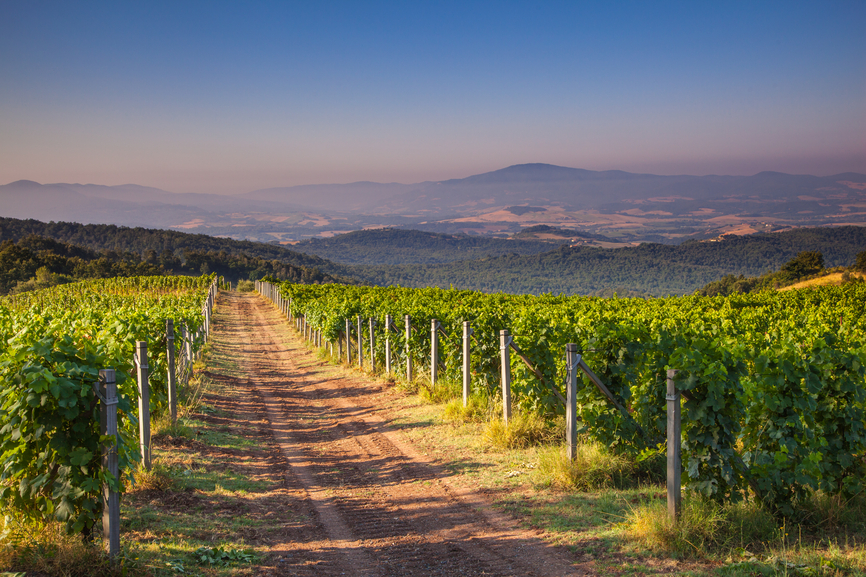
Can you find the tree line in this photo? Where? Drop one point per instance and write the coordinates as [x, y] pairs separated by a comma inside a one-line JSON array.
[[36, 262], [649, 269]]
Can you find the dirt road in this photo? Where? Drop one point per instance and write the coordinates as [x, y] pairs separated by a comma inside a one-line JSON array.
[[367, 501]]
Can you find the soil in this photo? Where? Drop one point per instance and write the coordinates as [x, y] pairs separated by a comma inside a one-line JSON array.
[[355, 498]]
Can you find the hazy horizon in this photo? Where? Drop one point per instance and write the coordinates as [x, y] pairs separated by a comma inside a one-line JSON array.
[[223, 98], [240, 192]]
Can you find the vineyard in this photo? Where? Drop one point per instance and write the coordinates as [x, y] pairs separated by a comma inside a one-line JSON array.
[[772, 383], [56, 341]]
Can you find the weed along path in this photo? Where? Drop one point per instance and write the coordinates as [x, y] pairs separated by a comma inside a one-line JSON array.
[[358, 498]]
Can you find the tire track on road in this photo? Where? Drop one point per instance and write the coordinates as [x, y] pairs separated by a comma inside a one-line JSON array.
[[384, 508]]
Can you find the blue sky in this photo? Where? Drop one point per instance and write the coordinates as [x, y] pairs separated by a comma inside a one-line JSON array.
[[230, 97]]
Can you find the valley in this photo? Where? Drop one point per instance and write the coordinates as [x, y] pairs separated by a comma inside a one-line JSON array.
[[627, 207]]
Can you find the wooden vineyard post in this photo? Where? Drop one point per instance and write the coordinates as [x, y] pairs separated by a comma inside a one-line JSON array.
[[172, 385], [434, 351], [143, 402], [187, 344], [467, 363], [339, 347], [408, 350], [571, 361], [674, 447], [372, 322], [206, 327], [505, 348], [360, 349], [110, 496], [348, 342], [389, 321]]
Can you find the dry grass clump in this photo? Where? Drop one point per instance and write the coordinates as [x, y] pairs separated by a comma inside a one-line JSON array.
[[475, 410], [523, 430], [47, 550], [831, 514], [594, 467], [445, 390], [703, 526], [159, 478]]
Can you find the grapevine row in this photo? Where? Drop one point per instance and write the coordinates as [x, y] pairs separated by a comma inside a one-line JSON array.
[[54, 343], [773, 382]]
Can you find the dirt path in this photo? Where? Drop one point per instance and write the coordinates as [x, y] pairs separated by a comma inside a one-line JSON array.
[[370, 503]]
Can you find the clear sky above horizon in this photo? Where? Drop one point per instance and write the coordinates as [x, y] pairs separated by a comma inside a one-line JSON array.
[[201, 96]]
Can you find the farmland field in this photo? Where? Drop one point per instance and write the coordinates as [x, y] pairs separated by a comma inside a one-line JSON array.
[[293, 464]]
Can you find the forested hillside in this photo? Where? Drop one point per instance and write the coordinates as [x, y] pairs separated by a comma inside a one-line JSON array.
[[148, 241], [400, 246], [806, 266], [650, 269], [36, 262]]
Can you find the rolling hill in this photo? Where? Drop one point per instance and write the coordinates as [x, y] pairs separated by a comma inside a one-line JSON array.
[[648, 269], [627, 206]]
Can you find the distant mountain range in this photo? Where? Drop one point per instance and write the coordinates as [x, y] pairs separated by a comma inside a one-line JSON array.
[[630, 207]]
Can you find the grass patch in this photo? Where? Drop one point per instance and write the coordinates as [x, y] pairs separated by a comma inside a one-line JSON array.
[[747, 539], [443, 391], [523, 430], [46, 549], [594, 467], [158, 478], [475, 411], [704, 526], [830, 515], [199, 510], [611, 510]]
